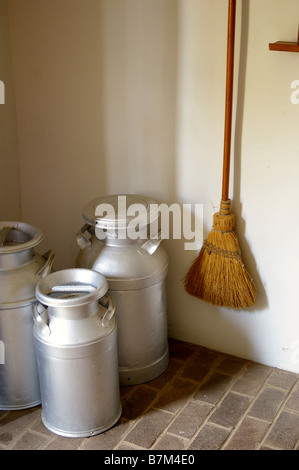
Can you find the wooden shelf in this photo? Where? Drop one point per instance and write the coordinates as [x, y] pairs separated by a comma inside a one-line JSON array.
[[285, 46]]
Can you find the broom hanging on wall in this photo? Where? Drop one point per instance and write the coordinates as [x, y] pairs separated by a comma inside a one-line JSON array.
[[218, 274]]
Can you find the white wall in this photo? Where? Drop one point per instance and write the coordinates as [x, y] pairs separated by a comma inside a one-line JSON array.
[[264, 185], [57, 71], [128, 96], [9, 171]]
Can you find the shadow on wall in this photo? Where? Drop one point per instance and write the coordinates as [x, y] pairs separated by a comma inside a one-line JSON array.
[[195, 321], [261, 299]]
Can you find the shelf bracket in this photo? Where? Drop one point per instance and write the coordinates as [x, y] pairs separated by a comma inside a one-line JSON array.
[[285, 46]]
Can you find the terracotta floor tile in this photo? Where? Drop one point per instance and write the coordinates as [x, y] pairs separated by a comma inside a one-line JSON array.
[[199, 365], [251, 379], [189, 419], [169, 442], [209, 438], [148, 429], [230, 410], [138, 401], [213, 389], [248, 435], [283, 379], [175, 395], [293, 400], [285, 432], [30, 441], [267, 404]]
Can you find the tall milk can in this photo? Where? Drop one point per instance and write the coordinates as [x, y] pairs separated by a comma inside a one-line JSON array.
[[127, 250], [75, 335], [20, 270]]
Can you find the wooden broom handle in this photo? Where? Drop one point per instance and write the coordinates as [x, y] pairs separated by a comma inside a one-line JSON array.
[[229, 97]]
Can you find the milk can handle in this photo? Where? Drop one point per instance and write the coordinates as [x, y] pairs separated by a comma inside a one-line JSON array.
[[82, 241], [40, 323], [150, 246], [46, 269], [107, 299]]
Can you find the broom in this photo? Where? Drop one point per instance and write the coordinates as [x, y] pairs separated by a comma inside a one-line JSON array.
[[218, 275]]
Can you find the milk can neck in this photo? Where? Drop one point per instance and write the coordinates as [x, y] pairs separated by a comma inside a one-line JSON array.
[[74, 312], [14, 259], [17, 240], [123, 237], [119, 241]]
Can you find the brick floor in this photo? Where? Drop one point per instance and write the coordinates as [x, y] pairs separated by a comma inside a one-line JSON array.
[[204, 401]]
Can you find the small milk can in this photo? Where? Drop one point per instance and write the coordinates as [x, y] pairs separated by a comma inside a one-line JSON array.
[[75, 335], [127, 250], [20, 270]]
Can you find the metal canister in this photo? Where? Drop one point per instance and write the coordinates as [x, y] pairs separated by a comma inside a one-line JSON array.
[[136, 270], [75, 335], [20, 270]]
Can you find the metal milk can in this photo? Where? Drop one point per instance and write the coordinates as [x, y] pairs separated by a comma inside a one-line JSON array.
[[75, 335], [136, 270], [20, 270]]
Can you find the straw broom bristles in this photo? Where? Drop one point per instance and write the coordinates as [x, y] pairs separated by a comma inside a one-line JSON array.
[[218, 275]]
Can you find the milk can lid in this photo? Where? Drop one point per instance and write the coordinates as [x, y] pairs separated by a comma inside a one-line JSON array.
[[117, 210], [18, 236], [71, 287]]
